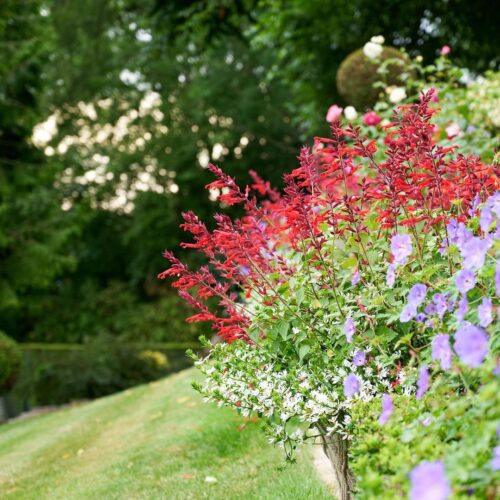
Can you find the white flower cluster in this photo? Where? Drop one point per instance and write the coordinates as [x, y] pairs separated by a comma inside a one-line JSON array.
[[247, 378], [374, 48]]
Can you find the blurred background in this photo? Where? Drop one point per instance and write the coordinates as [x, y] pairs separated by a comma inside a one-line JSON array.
[[111, 110]]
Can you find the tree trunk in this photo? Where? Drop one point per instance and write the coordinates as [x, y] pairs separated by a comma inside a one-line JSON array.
[[335, 448]]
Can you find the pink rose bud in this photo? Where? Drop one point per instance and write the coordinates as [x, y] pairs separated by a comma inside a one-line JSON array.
[[371, 118], [334, 113], [445, 50]]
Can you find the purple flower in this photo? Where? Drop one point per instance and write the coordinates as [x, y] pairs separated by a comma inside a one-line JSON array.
[[457, 233], [494, 203], [428, 482], [430, 308], [417, 294], [441, 350], [355, 278], [391, 275], [485, 312], [441, 304], [473, 252], [486, 219], [387, 408], [420, 317], [463, 307], [401, 248], [427, 421], [465, 280], [359, 359], [475, 203], [351, 385], [495, 462], [409, 312], [423, 382], [349, 329], [471, 344], [497, 278]]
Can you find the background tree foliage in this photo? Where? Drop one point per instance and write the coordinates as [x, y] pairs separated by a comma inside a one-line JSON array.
[[144, 94]]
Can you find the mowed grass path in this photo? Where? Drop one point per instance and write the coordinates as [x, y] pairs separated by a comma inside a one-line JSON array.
[[154, 441]]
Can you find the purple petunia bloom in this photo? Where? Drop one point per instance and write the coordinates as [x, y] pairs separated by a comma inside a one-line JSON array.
[[409, 312], [485, 312], [494, 203], [495, 462], [486, 219], [441, 304], [471, 344], [351, 385], [441, 350], [359, 358], [423, 382], [387, 408], [463, 307], [349, 329], [465, 280], [497, 278], [417, 294], [401, 248], [355, 278], [474, 252], [428, 482], [391, 275]]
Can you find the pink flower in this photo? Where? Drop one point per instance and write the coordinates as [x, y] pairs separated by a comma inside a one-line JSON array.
[[453, 130], [334, 113], [445, 50], [371, 118]]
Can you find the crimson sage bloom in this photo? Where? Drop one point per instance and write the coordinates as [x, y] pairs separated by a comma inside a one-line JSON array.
[[471, 344], [428, 482]]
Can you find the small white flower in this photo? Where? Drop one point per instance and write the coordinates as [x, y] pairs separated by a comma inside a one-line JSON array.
[[377, 39], [397, 94], [350, 113], [210, 479], [372, 50]]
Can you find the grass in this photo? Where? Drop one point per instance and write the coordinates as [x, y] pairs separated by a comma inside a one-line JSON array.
[[154, 441]]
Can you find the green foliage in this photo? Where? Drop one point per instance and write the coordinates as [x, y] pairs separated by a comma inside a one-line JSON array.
[[357, 74], [10, 362]]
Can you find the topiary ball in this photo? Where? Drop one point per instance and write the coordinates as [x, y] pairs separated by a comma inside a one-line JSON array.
[[357, 74], [10, 362]]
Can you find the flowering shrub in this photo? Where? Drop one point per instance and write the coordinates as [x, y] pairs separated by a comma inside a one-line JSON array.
[[337, 301]]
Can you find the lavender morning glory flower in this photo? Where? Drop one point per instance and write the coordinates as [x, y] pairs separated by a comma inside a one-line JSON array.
[[471, 344], [441, 304], [457, 233], [473, 252], [349, 329], [430, 308], [391, 275], [351, 385], [428, 482], [485, 312], [423, 382], [495, 462], [387, 408], [494, 203], [465, 280], [359, 358], [409, 312], [355, 278], [401, 248], [417, 294], [441, 350], [486, 219], [463, 307]]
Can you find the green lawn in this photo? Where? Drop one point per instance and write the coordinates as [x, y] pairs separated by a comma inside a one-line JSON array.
[[154, 441]]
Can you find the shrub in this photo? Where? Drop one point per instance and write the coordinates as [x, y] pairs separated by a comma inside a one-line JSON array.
[[10, 362], [334, 274], [357, 75]]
